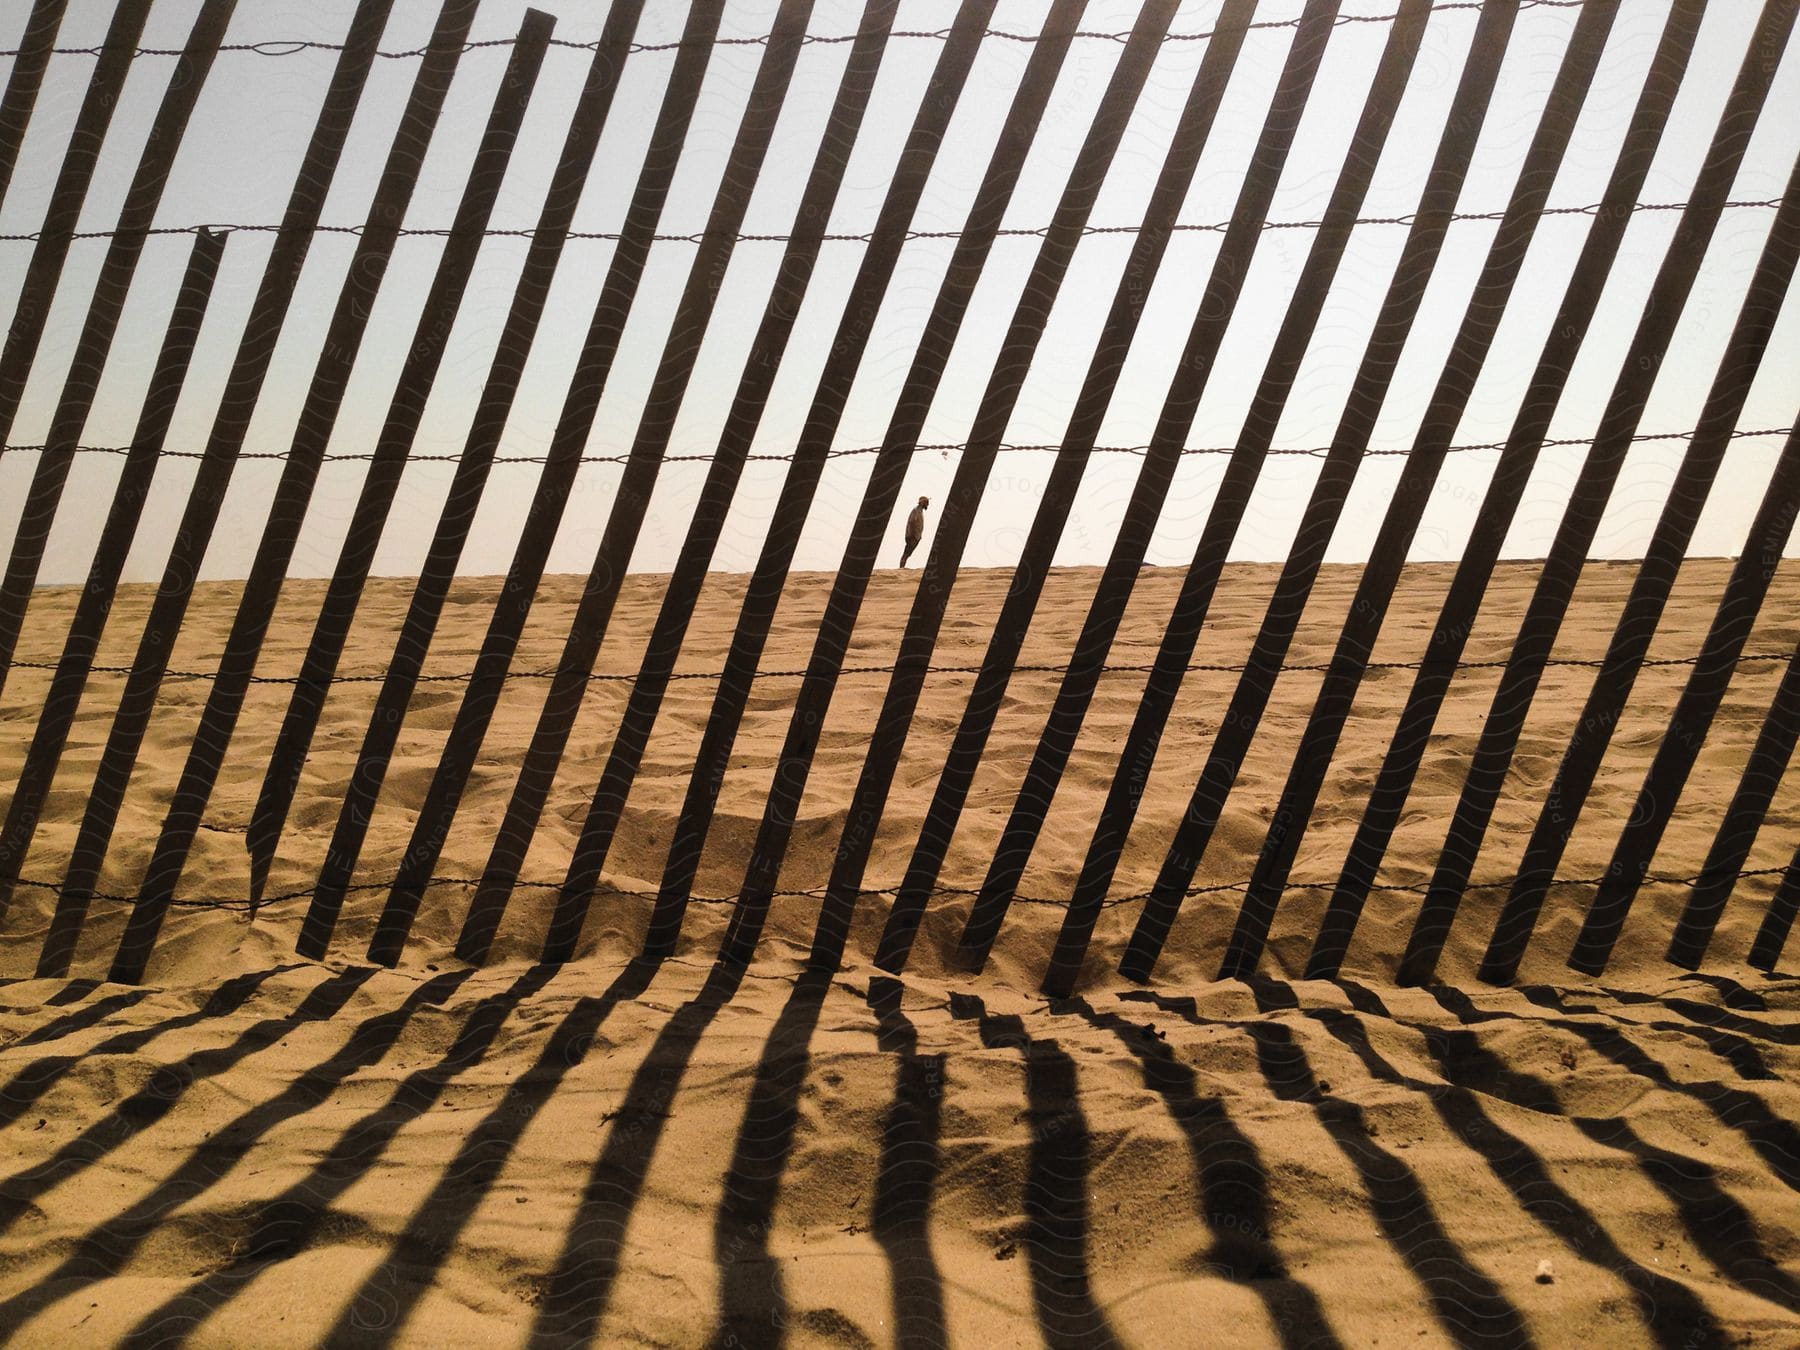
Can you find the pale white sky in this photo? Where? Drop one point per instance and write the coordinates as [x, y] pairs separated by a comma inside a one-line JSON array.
[[256, 112]]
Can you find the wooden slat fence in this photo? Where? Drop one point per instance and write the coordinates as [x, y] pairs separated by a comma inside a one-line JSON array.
[[997, 204]]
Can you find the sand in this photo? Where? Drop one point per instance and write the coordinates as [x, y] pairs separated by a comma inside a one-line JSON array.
[[254, 1149]]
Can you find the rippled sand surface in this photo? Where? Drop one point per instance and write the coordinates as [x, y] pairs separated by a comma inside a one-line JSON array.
[[254, 1149]]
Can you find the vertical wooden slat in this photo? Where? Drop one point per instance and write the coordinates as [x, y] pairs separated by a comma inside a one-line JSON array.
[[101, 324], [600, 346], [1562, 567], [1743, 818], [1298, 324], [1000, 397], [206, 495], [293, 494], [1630, 643], [914, 402], [1218, 303], [943, 91], [761, 363], [1374, 377], [24, 82], [1506, 488], [1778, 922], [1380, 575], [51, 250], [136, 216], [998, 403], [69, 680], [630, 505], [1192, 132], [1693, 715], [374, 503]]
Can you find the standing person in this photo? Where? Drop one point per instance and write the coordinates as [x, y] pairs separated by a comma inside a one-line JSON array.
[[915, 528]]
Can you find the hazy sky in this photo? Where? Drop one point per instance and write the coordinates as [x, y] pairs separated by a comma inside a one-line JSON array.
[[256, 112]]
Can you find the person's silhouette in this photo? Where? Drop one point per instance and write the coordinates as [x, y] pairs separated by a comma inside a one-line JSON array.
[[915, 528]]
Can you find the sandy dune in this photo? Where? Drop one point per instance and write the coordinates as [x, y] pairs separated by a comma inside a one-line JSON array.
[[253, 1149]]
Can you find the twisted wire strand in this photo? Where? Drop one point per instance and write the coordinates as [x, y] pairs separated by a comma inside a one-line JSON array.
[[799, 672], [933, 447], [700, 236], [296, 46]]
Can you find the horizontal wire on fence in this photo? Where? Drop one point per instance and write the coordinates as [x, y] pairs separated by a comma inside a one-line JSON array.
[[1013, 232], [819, 892], [1054, 668], [297, 46], [934, 447]]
